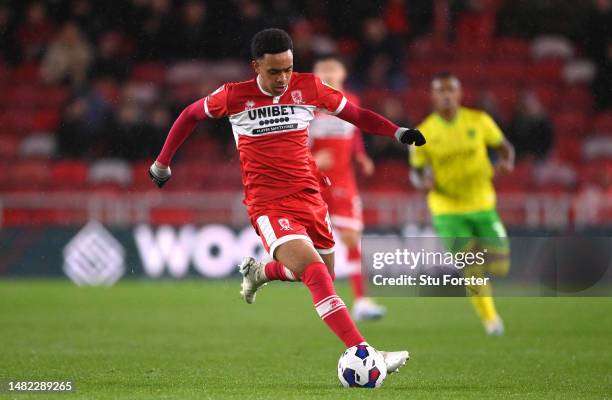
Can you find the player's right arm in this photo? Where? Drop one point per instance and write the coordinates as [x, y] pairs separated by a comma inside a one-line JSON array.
[[212, 106]]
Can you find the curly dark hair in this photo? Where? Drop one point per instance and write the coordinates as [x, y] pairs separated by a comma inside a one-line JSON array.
[[270, 41]]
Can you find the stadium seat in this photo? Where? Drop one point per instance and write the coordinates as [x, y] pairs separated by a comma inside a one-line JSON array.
[[140, 177], [38, 145], [30, 175], [567, 148], [511, 49], [110, 174], [574, 124], [576, 98], [8, 146], [545, 71], [46, 120], [69, 175], [595, 147], [149, 72], [26, 73], [551, 46], [504, 73], [603, 123]]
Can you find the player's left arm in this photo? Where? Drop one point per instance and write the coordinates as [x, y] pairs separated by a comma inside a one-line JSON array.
[[495, 139], [374, 123], [368, 121]]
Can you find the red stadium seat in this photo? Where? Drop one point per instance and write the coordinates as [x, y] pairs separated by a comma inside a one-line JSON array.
[[69, 175], [549, 95], [575, 124], [576, 98], [149, 72], [140, 177], [568, 148], [47, 120], [511, 49], [26, 73], [507, 73], [545, 71], [603, 123], [30, 175], [8, 146]]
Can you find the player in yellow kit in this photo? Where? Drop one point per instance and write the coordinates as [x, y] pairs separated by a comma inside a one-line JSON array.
[[456, 172]]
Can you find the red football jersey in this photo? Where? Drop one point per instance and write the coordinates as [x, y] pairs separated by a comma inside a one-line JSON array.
[[271, 132], [337, 136]]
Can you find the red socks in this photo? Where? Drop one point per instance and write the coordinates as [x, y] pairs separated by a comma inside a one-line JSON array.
[[329, 306], [355, 276], [276, 271]]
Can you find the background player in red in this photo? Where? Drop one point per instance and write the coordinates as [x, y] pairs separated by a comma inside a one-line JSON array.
[[270, 115], [335, 143]]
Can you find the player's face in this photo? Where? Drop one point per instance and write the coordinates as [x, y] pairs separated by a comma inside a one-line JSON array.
[[446, 94], [331, 72], [275, 71]]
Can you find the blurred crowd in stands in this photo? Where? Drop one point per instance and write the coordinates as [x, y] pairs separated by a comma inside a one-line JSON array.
[[90, 80]]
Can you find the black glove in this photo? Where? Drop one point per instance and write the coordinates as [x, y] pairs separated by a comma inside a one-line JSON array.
[[159, 176], [410, 136]]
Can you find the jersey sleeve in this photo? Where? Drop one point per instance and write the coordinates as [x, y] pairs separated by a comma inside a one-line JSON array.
[[328, 98], [417, 155], [215, 104], [493, 136]]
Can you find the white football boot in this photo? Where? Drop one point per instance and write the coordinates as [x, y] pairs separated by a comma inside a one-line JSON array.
[[365, 309], [494, 327], [395, 360], [253, 278]]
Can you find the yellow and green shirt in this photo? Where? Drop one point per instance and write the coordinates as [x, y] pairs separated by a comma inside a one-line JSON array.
[[456, 151]]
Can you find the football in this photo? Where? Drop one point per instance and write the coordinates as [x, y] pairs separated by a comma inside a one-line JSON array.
[[362, 366]]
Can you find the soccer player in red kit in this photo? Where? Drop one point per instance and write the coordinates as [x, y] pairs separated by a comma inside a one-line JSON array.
[[270, 115], [334, 144]]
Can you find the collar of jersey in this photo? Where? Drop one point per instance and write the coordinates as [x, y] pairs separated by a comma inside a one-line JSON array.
[[276, 98], [447, 122]]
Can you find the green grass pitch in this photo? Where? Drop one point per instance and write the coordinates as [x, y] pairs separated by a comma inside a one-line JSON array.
[[197, 340]]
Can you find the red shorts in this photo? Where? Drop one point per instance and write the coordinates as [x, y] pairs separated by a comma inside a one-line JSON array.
[[344, 206], [302, 215]]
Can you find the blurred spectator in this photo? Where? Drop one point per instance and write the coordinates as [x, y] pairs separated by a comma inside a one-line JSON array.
[[76, 138], [68, 57], [377, 146], [602, 85], [156, 129], [111, 62], [379, 61], [531, 131], [192, 35], [155, 31], [34, 32], [8, 50], [82, 12], [251, 20], [598, 46], [487, 101], [126, 133], [598, 30]]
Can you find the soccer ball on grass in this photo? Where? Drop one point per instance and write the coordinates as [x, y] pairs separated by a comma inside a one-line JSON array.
[[362, 366]]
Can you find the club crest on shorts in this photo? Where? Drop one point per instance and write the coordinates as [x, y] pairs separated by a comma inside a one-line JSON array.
[[248, 105], [284, 224], [296, 96]]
